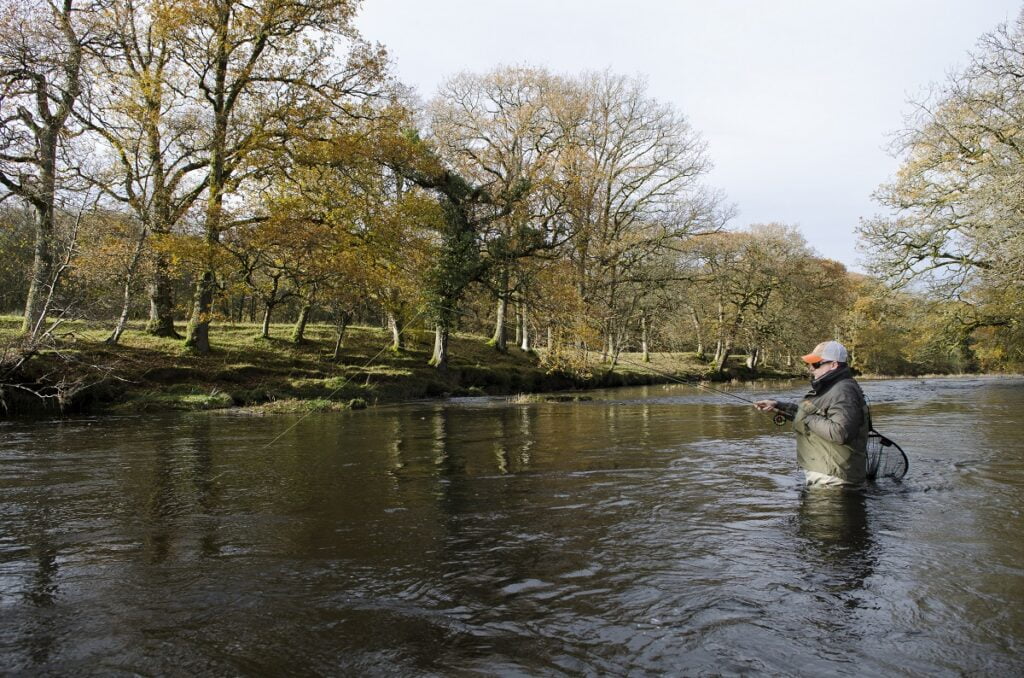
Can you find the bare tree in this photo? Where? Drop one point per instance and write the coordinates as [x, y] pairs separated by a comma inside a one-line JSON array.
[[143, 113], [634, 191], [958, 201], [41, 55]]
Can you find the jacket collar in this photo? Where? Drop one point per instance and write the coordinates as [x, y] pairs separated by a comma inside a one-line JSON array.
[[829, 379]]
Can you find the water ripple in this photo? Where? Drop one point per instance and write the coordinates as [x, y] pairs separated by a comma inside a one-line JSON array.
[[648, 532]]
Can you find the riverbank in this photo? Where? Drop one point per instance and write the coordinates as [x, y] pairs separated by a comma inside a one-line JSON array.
[[144, 373]]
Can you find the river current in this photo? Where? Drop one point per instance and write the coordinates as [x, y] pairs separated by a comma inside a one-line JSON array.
[[650, 531]]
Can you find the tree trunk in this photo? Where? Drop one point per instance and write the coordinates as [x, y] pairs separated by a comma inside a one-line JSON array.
[[40, 286], [700, 334], [440, 357], [397, 326], [524, 329], [299, 332], [197, 334], [643, 339], [342, 326], [500, 338], [53, 107], [270, 304], [267, 310], [720, 340], [519, 323], [161, 301], [753, 358], [723, 357], [122, 321]]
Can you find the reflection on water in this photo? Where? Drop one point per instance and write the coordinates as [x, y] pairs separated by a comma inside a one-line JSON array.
[[835, 539], [655, 530]]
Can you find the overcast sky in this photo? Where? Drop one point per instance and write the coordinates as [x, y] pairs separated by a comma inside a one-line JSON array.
[[797, 99]]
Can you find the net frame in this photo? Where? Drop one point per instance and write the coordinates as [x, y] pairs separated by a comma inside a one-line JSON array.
[[886, 459]]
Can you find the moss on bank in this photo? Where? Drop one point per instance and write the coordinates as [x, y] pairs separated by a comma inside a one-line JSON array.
[[145, 373]]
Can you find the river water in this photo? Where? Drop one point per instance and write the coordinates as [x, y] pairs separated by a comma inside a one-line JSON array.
[[651, 531]]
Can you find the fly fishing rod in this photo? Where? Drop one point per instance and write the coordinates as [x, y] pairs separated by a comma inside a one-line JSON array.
[[780, 417]]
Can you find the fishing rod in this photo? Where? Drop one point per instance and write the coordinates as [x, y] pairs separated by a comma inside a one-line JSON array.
[[780, 417], [885, 458]]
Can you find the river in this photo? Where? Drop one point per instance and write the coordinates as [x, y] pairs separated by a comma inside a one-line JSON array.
[[650, 531]]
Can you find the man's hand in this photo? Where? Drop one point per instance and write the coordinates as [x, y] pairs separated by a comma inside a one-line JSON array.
[[766, 405]]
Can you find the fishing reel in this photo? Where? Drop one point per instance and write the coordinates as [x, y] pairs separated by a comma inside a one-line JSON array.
[[780, 419]]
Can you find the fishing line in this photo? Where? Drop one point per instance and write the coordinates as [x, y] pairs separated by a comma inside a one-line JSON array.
[[779, 417], [347, 379], [885, 459]]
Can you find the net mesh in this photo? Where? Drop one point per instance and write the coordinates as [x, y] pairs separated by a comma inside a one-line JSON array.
[[885, 458]]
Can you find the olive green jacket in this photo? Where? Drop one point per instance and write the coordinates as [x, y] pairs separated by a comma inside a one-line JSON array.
[[831, 425]]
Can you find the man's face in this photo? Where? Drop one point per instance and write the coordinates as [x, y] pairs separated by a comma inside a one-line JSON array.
[[819, 370]]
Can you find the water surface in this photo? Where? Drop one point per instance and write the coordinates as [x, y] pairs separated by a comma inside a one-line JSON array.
[[652, 531]]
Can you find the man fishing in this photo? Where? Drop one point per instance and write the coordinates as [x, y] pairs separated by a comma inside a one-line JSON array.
[[831, 422]]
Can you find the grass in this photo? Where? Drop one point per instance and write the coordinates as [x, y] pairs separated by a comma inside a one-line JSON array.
[[530, 398], [146, 373]]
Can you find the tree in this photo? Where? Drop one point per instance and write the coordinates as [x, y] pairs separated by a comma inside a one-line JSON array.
[[633, 191], [459, 262], [142, 111], [395, 248], [882, 330], [262, 266], [466, 210], [814, 302], [41, 56], [562, 313], [109, 262], [958, 198], [502, 130], [263, 70], [768, 291], [365, 231]]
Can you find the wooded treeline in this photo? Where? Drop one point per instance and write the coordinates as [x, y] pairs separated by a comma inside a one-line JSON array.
[[214, 160]]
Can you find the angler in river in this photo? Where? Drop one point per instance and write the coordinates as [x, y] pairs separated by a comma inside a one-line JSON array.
[[831, 422]]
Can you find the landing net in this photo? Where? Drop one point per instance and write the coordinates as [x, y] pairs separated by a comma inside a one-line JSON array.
[[886, 459]]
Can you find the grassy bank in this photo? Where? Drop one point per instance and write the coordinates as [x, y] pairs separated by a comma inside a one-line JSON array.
[[145, 373]]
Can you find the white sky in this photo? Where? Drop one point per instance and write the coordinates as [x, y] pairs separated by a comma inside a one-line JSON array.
[[797, 99]]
